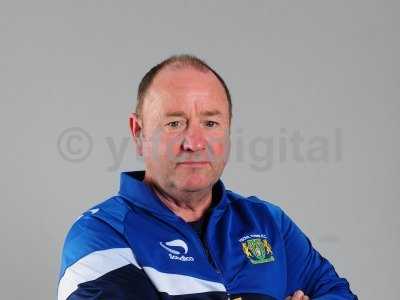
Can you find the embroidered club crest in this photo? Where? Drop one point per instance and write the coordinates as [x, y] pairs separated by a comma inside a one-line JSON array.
[[258, 250]]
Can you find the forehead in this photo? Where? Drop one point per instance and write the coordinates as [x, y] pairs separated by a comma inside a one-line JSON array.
[[186, 87]]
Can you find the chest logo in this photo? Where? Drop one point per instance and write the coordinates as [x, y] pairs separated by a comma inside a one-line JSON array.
[[177, 250], [257, 248], [177, 244]]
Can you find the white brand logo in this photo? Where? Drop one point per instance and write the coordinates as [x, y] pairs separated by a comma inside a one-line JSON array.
[[94, 210], [177, 250]]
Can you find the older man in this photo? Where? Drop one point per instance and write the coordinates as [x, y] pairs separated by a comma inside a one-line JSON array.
[[173, 231]]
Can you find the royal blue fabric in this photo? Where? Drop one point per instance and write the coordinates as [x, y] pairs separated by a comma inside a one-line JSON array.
[[136, 219]]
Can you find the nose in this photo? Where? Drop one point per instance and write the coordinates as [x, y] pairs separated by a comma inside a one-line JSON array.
[[194, 139]]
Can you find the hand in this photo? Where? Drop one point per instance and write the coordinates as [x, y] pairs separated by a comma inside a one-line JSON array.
[[298, 295]]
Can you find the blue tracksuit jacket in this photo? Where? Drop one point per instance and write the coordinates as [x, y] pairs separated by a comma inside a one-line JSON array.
[[133, 247]]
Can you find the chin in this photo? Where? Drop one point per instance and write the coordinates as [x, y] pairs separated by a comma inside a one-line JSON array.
[[195, 183]]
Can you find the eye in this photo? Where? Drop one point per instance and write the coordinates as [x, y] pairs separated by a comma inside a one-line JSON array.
[[211, 124], [175, 124]]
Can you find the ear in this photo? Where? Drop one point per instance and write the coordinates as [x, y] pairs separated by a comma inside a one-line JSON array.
[[135, 125]]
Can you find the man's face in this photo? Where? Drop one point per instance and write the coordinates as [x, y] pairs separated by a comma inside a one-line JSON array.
[[186, 130]]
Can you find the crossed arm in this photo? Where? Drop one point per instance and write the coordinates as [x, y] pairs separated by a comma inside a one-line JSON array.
[[310, 276]]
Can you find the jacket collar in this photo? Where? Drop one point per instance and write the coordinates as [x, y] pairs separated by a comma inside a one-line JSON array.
[[141, 194]]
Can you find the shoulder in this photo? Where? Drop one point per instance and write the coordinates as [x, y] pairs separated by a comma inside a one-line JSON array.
[[95, 251], [106, 216], [99, 228], [253, 202], [257, 205]]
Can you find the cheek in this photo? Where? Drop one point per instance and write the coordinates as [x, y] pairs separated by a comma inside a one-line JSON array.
[[220, 148], [162, 148]]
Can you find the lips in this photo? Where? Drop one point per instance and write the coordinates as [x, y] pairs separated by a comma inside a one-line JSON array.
[[193, 163]]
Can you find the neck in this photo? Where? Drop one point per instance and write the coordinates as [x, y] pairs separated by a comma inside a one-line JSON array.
[[190, 206]]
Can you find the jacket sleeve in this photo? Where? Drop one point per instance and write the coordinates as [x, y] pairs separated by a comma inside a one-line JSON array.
[[307, 269], [97, 263]]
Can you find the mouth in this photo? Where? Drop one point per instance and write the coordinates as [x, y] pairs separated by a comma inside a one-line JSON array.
[[193, 164]]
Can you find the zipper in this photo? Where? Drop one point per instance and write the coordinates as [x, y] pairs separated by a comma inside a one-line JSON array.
[[207, 253], [207, 248]]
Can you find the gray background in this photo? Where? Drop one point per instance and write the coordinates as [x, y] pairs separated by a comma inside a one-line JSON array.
[[310, 66]]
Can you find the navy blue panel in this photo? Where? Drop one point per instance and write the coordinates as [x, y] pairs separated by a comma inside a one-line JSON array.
[[199, 296], [125, 283], [216, 296]]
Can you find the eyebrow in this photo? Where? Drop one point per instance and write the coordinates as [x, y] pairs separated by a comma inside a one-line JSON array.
[[175, 114], [207, 113], [210, 113]]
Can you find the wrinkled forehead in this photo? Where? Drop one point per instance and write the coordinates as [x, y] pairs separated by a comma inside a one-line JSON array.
[[186, 88]]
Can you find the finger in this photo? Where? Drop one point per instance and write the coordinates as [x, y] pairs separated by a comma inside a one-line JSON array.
[[298, 295], [288, 298], [305, 297]]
